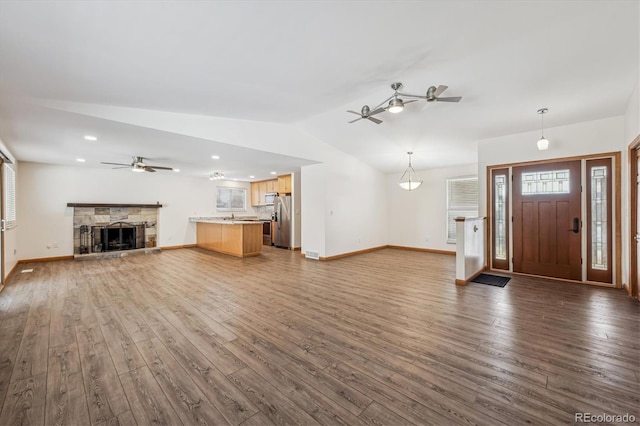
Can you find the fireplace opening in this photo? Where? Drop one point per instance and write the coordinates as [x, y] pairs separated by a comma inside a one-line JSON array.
[[117, 236]]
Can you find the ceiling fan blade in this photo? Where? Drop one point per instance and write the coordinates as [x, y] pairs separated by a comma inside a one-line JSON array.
[[378, 111], [439, 90], [125, 167], [149, 169], [116, 164], [412, 100], [375, 120], [158, 167], [451, 99], [353, 121], [356, 113]]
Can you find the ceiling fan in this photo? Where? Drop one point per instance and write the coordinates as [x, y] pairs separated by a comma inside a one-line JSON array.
[[366, 113], [138, 165], [396, 103]]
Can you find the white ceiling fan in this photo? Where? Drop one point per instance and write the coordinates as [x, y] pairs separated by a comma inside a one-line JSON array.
[[396, 103], [138, 165]]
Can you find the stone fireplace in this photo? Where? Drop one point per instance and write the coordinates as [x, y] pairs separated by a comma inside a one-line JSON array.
[[110, 228]]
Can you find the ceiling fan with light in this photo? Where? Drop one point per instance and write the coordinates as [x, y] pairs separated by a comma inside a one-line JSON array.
[[138, 165], [396, 103]]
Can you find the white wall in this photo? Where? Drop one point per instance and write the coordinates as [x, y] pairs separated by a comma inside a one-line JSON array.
[[296, 188], [418, 218], [592, 137], [44, 190], [313, 180], [343, 207], [632, 116]]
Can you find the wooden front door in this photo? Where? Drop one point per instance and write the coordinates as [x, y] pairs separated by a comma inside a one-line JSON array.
[[547, 220]]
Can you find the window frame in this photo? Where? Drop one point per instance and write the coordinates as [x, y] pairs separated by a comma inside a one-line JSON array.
[[458, 211]]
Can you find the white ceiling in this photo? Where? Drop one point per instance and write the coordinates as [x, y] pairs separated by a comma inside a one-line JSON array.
[[304, 64]]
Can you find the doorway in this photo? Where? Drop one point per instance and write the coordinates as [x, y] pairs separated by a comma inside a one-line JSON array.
[[557, 218]]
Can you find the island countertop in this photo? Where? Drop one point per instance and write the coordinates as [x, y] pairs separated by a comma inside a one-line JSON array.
[[226, 221]]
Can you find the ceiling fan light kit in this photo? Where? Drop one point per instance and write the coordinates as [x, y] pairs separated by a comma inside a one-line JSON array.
[[409, 179], [543, 143], [396, 103]]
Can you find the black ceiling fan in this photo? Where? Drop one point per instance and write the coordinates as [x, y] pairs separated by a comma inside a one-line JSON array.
[[396, 103], [138, 165]]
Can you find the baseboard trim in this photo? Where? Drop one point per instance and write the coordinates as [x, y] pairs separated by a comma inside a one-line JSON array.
[[44, 259], [425, 250], [473, 277], [178, 247], [369, 250], [9, 275], [352, 253]]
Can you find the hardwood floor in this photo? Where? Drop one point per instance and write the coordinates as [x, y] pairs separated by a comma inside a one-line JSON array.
[[193, 337]]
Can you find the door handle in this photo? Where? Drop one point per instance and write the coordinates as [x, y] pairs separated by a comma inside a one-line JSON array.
[[576, 225]]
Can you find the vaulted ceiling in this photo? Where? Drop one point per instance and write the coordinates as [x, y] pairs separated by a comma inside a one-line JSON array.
[[299, 66]]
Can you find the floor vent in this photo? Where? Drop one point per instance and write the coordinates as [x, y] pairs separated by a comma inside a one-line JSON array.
[[312, 255]]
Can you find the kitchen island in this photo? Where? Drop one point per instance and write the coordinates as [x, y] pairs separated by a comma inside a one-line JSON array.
[[240, 238]]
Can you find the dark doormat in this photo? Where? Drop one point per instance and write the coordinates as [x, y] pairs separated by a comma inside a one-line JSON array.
[[493, 280]]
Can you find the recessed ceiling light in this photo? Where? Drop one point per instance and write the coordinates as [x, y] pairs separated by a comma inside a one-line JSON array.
[[274, 173], [91, 138], [251, 177], [215, 157], [80, 160], [176, 170]]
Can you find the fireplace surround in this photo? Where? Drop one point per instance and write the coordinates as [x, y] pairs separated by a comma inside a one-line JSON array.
[[113, 228]]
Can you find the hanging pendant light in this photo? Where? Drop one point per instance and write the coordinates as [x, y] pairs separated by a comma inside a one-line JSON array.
[[543, 143], [409, 179]]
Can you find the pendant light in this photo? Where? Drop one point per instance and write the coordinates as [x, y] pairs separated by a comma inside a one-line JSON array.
[[409, 180], [543, 143]]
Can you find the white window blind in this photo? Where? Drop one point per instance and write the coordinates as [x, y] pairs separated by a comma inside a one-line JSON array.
[[9, 197], [462, 201]]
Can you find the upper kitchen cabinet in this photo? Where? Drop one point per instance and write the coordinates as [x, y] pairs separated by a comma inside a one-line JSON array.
[[272, 186], [256, 200], [262, 188], [284, 184]]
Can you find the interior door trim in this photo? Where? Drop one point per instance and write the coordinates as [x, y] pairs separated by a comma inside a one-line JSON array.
[[634, 146], [617, 172]]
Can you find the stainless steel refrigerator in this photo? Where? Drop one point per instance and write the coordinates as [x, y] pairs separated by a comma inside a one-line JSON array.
[[282, 218]]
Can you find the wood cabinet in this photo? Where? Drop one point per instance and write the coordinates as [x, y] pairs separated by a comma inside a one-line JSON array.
[[255, 194], [235, 239], [260, 189], [272, 186], [284, 184]]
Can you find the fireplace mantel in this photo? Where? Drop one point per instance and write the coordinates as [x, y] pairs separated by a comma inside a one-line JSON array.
[[146, 206]]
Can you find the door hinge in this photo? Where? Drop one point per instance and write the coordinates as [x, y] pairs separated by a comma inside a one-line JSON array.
[[581, 261], [511, 218]]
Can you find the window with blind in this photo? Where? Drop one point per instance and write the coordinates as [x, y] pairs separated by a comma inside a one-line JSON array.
[[462, 201], [9, 197]]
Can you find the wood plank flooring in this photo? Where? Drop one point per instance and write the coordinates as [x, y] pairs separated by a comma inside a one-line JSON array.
[[384, 338]]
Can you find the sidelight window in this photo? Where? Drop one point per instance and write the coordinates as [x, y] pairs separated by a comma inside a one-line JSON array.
[[599, 218], [500, 216]]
